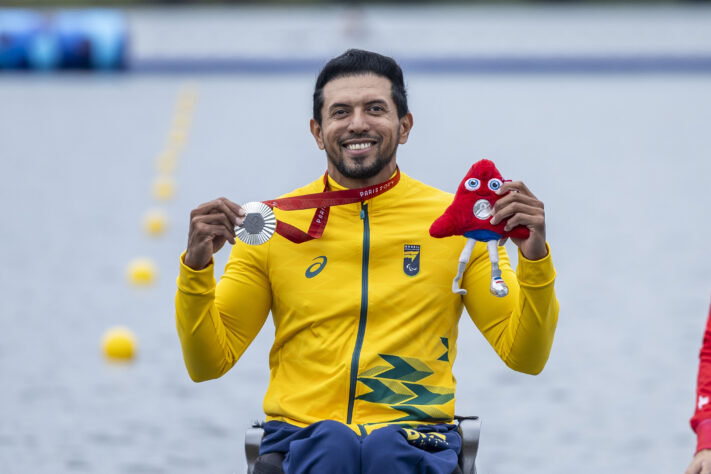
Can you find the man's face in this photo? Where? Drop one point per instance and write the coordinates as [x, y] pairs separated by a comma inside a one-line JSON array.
[[360, 129]]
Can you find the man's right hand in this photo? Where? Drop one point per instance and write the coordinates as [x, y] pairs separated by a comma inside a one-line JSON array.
[[211, 225], [701, 464]]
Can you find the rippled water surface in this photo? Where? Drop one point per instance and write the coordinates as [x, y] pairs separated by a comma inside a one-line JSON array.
[[621, 162]]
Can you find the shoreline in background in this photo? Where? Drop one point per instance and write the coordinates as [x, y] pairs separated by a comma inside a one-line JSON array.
[[180, 3]]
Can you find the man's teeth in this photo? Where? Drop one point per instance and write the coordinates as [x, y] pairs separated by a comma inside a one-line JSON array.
[[358, 146]]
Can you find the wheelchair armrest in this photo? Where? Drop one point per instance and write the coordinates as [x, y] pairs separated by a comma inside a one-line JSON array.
[[469, 429], [252, 440]]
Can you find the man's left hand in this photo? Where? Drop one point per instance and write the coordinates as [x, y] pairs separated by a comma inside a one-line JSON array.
[[521, 207]]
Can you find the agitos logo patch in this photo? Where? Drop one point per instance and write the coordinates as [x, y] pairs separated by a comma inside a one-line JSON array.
[[411, 260]]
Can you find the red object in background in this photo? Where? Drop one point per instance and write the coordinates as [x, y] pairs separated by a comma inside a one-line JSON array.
[[701, 421], [479, 185]]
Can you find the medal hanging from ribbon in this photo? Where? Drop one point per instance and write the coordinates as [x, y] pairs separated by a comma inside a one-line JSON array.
[[260, 223]]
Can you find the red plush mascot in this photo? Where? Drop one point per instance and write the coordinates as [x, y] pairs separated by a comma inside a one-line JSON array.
[[469, 215]]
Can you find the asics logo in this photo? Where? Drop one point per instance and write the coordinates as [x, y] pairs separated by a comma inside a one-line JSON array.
[[315, 268]]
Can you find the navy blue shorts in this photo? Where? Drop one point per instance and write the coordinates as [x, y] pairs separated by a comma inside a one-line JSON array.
[[330, 446]]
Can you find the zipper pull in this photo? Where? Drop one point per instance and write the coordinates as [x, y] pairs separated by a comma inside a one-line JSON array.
[[363, 207]]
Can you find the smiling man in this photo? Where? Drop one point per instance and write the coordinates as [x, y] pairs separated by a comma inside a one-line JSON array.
[[366, 321], [361, 129]]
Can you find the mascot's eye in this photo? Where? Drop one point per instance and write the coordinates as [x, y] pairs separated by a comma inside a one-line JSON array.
[[472, 184], [495, 184]]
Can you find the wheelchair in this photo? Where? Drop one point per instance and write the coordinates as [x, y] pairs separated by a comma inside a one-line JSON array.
[[469, 428]]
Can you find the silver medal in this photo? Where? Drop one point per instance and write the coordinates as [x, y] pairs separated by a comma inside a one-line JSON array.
[[259, 224], [482, 209]]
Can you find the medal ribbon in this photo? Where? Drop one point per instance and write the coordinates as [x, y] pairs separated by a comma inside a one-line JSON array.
[[322, 202]]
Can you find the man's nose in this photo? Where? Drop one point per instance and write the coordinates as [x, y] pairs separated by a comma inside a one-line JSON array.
[[359, 122]]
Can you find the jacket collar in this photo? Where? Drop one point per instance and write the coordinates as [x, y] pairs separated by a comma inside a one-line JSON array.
[[385, 200]]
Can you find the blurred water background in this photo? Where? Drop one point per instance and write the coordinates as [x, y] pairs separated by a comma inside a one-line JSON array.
[[621, 161]]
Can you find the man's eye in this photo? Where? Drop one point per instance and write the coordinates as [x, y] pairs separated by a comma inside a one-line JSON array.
[[338, 112], [377, 108]]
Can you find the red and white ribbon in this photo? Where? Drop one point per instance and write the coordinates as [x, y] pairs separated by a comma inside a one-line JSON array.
[[322, 202]]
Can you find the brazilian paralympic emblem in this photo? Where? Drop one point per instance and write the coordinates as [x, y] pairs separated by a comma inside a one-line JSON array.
[[315, 268], [411, 260]]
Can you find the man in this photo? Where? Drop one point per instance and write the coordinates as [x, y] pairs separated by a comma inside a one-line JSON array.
[[366, 321], [701, 420]]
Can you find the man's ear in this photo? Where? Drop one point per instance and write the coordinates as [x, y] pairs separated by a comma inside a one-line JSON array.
[[405, 126], [316, 132]]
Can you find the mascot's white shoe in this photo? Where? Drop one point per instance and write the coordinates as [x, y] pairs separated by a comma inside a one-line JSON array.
[[498, 287]]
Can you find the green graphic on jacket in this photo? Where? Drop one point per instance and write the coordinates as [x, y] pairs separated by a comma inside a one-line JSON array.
[[396, 385]]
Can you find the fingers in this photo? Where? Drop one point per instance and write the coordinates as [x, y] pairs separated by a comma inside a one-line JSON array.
[[520, 200], [215, 233], [520, 207], [515, 186], [220, 211], [234, 212], [701, 463], [208, 225], [533, 222], [519, 214], [507, 210], [211, 225], [694, 467], [516, 198]]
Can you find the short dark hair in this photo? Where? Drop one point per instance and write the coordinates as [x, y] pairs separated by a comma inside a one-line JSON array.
[[356, 62]]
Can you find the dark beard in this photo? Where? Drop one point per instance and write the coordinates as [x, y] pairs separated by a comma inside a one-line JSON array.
[[357, 170]]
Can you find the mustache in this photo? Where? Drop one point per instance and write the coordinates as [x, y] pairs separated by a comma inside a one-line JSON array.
[[359, 137]]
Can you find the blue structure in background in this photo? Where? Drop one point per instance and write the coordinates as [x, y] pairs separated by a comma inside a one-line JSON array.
[[97, 39], [17, 29], [71, 39]]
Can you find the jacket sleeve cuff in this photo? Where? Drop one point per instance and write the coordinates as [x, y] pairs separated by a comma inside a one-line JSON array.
[[196, 282], [703, 435], [534, 273]]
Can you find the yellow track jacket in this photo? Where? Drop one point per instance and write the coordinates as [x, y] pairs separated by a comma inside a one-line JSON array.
[[366, 321]]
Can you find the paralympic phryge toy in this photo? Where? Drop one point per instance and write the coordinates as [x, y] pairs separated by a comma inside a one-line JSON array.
[[470, 215]]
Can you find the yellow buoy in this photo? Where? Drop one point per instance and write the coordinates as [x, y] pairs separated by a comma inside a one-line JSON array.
[[155, 222], [167, 162], [119, 343], [182, 121], [173, 148], [185, 107], [141, 272], [164, 188], [177, 135]]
